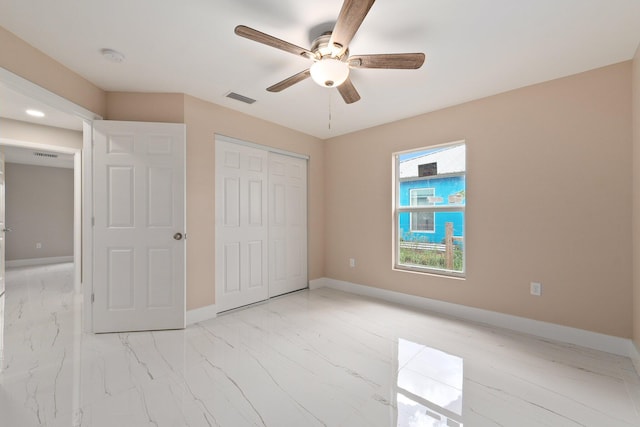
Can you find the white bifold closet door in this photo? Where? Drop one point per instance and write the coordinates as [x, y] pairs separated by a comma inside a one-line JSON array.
[[287, 224], [261, 224]]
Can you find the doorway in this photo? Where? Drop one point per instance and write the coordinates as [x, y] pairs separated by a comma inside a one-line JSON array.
[[39, 200], [25, 142], [60, 115]]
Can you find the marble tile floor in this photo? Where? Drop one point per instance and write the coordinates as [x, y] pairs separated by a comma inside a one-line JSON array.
[[313, 358]]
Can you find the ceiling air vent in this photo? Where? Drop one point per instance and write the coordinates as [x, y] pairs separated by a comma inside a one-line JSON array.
[[46, 155], [240, 98]]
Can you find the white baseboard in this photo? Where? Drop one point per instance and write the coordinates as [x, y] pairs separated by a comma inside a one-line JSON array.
[[201, 314], [38, 261], [635, 356], [594, 340]]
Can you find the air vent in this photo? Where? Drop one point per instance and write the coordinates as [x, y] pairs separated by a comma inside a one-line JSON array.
[[240, 98], [46, 155]]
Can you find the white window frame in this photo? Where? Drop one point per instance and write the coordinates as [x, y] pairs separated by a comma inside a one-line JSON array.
[[397, 210]]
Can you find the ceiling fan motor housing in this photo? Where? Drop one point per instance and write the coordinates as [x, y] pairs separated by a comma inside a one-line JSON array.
[[321, 48]]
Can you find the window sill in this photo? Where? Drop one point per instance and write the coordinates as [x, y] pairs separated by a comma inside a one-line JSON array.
[[430, 272]]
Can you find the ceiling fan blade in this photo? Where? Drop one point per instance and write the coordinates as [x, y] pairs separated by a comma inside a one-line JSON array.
[[351, 16], [349, 92], [400, 61], [288, 82], [260, 37]]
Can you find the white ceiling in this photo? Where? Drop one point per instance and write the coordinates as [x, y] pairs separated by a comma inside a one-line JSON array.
[[27, 156], [14, 106], [474, 48]]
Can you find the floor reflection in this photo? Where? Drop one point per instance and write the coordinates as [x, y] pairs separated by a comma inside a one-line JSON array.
[[429, 387], [314, 358]]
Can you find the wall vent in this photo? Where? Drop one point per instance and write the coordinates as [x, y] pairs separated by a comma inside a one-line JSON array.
[[240, 98], [46, 155]]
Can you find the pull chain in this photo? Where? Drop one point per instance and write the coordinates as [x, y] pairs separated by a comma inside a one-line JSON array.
[[329, 108]]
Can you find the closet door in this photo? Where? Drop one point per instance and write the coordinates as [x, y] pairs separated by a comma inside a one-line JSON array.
[[241, 225], [287, 224]]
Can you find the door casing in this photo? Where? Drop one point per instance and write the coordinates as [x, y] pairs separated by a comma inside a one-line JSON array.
[[82, 256]]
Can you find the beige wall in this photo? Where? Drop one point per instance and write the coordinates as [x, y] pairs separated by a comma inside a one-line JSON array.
[[203, 121], [30, 132], [29, 63], [145, 107], [548, 199], [549, 190], [39, 209], [636, 197]]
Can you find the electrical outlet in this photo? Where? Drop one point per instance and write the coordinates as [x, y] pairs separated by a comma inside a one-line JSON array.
[[38, 245], [536, 288], [352, 262]]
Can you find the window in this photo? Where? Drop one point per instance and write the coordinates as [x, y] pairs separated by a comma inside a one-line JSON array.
[[421, 196], [422, 221], [429, 210], [428, 169]]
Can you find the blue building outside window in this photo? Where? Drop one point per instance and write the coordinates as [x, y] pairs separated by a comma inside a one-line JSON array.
[[441, 187]]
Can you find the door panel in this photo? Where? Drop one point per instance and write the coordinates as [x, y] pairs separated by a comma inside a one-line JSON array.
[[139, 192], [287, 224], [241, 225], [120, 195], [231, 267], [120, 279], [255, 203], [231, 197], [159, 210], [255, 264], [159, 267]]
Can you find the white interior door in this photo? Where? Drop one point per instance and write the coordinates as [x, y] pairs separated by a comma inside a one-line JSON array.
[[139, 226], [241, 225], [287, 224]]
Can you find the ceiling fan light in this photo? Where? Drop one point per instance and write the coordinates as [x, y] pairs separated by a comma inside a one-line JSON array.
[[329, 72]]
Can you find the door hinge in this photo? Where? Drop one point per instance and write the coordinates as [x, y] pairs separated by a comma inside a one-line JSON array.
[[185, 236], [93, 221], [93, 297]]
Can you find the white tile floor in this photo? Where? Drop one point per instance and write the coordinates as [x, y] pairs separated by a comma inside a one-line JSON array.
[[319, 358]]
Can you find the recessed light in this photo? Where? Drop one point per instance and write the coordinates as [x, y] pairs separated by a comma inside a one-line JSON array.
[[112, 55], [35, 113]]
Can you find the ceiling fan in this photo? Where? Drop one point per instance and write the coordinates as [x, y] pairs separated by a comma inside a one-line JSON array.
[[330, 53]]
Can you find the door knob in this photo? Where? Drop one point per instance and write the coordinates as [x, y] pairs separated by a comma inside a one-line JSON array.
[[177, 236]]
